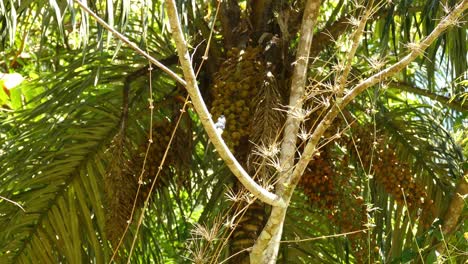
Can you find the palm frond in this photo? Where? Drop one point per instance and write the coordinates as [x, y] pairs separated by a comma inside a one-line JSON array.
[[60, 191]]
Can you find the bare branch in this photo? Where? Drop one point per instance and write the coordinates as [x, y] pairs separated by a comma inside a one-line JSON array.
[[205, 117], [327, 35], [296, 98], [418, 49], [356, 38], [131, 44]]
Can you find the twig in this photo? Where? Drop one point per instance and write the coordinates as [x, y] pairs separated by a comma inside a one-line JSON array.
[[235, 254], [13, 202], [356, 38]]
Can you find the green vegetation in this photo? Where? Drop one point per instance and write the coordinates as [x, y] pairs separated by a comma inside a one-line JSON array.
[[103, 159]]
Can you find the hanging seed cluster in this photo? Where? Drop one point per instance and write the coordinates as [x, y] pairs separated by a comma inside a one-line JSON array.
[[395, 175], [236, 83], [351, 216], [351, 213], [335, 194], [317, 182], [161, 136], [120, 189]]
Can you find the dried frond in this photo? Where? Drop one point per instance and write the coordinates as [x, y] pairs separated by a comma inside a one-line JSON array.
[[268, 151], [121, 189], [209, 234], [232, 195], [266, 119], [265, 125]]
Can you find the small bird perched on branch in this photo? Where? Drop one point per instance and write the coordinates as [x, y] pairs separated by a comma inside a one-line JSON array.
[[220, 124]]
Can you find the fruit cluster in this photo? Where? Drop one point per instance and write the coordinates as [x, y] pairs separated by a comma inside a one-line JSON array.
[[162, 131], [351, 216], [344, 206], [317, 182], [395, 175], [236, 83]]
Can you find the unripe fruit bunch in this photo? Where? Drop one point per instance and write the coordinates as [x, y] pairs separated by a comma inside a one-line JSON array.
[[236, 83]]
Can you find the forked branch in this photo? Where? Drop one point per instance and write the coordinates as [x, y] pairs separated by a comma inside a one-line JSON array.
[[205, 117], [266, 247], [197, 100], [415, 50]]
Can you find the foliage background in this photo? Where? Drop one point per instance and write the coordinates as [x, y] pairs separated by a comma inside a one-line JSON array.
[[71, 157]]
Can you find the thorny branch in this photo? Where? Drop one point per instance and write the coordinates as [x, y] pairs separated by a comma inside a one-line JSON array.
[[416, 50], [266, 247]]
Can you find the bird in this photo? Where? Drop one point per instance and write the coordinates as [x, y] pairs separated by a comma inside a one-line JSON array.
[[220, 125]]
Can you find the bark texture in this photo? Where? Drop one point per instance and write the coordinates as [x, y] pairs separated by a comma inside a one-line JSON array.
[[455, 208], [266, 247]]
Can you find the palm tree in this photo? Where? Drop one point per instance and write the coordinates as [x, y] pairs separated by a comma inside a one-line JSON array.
[[95, 138]]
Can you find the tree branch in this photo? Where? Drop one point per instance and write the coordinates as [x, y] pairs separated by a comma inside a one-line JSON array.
[[416, 50], [198, 103], [296, 98], [131, 44], [266, 247], [205, 117], [356, 38], [333, 31], [439, 98]]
